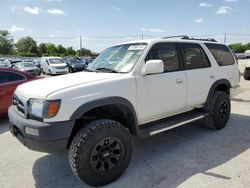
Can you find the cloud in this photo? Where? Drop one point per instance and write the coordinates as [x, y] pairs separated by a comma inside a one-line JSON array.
[[153, 30], [230, 0], [35, 10], [199, 20], [55, 11], [205, 5], [224, 10], [116, 8], [14, 29]]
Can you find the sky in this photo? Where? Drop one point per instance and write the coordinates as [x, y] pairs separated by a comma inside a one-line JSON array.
[[103, 23]]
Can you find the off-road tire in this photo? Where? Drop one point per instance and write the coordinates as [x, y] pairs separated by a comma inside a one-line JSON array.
[[218, 109], [246, 77], [86, 142]]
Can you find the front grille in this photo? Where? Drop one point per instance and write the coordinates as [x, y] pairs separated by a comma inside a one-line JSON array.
[[61, 67], [19, 104]]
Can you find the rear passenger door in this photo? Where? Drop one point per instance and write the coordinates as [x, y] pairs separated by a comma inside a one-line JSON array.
[[200, 75]]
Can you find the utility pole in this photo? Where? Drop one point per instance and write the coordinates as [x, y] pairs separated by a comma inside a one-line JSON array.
[[142, 37], [80, 52], [225, 38]]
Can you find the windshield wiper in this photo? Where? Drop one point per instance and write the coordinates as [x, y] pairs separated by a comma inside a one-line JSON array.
[[107, 70]]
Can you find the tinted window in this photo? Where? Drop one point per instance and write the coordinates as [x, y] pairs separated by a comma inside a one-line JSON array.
[[167, 52], [10, 77], [194, 57], [221, 53]]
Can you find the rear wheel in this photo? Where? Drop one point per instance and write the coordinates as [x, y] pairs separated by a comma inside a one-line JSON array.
[[219, 111], [100, 152]]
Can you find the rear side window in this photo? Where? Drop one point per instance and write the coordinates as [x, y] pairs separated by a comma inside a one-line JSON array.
[[221, 53], [6, 77], [194, 57], [167, 52]]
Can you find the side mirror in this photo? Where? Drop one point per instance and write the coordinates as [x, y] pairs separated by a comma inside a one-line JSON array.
[[153, 67]]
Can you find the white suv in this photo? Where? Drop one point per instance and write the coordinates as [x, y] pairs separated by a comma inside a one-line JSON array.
[[138, 88]]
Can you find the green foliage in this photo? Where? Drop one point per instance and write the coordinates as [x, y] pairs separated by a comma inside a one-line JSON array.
[[239, 48], [27, 47], [6, 43]]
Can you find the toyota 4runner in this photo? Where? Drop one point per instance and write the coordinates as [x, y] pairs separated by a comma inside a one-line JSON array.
[[138, 88]]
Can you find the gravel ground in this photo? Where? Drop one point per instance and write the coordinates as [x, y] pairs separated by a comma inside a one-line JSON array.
[[188, 156]]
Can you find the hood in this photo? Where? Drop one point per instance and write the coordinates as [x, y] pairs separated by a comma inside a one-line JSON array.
[[29, 68], [43, 87]]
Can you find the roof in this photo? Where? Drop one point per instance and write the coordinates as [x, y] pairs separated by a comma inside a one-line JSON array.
[[191, 40]]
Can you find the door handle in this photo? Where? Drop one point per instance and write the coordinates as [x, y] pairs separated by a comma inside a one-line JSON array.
[[3, 93], [212, 76], [179, 80]]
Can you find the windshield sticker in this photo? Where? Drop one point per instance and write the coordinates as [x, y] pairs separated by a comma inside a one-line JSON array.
[[136, 47]]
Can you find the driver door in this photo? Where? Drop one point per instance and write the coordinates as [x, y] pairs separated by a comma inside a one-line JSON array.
[[164, 94]]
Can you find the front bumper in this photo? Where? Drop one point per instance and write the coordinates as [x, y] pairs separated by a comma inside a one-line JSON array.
[[40, 136], [76, 69], [59, 71]]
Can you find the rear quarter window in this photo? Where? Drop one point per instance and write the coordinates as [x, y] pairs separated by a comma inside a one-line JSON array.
[[221, 54]]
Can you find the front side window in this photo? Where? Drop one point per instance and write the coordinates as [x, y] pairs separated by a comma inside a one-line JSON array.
[[121, 58], [6, 77], [194, 57], [167, 52], [221, 54]]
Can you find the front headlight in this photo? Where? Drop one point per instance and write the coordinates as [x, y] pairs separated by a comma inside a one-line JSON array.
[[43, 108]]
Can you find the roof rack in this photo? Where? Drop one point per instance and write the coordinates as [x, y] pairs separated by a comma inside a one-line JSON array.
[[185, 37], [177, 36]]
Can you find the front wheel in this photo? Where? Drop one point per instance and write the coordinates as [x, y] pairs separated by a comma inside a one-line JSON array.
[[218, 111], [100, 152], [246, 77]]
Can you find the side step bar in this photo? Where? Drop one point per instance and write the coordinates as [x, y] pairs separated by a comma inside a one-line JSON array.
[[172, 122]]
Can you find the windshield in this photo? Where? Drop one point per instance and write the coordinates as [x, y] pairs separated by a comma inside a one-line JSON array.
[[75, 61], [121, 58], [56, 61], [26, 65]]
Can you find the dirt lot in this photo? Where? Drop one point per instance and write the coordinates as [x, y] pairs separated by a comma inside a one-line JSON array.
[[188, 156]]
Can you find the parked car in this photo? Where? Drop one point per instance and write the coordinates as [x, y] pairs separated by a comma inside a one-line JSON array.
[[54, 65], [247, 71], [9, 80], [28, 67], [76, 65], [37, 62], [5, 64], [139, 88]]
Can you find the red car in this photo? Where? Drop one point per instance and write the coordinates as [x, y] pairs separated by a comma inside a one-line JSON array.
[[9, 80]]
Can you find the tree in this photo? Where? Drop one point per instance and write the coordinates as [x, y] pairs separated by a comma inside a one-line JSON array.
[[84, 52], [238, 47], [6, 43], [61, 50], [70, 51], [27, 47], [51, 49], [42, 49]]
